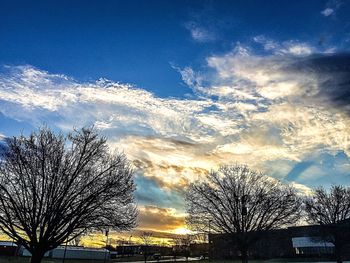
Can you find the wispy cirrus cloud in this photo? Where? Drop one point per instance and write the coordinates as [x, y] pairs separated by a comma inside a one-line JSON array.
[[331, 7], [291, 47], [327, 12], [205, 25], [200, 33]]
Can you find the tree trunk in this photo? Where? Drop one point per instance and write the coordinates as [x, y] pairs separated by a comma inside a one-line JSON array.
[[338, 254], [243, 244], [244, 255], [37, 256]]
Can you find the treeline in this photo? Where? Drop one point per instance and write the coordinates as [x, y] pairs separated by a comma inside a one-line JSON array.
[[242, 203]]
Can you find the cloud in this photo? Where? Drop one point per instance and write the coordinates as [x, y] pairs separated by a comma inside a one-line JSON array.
[[150, 192], [272, 111], [333, 72], [3, 145], [162, 223], [161, 219], [205, 25], [189, 77], [34, 93], [301, 189], [299, 49], [331, 7], [327, 12], [199, 33], [295, 48], [268, 44]]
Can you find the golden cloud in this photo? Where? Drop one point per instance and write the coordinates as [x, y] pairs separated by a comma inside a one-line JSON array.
[[160, 219]]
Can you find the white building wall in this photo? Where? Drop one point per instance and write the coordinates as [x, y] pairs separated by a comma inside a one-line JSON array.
[[74, 253], [80, 253]]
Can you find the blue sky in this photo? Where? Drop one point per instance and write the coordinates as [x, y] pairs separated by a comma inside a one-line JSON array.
[[140, 42], [184, 86]]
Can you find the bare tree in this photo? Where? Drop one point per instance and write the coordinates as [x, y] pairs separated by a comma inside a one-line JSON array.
[[200, 238], [185, 242], [176, 246], [55, 187], [240, 202], [331, 209], [76, 241], [146, 238]]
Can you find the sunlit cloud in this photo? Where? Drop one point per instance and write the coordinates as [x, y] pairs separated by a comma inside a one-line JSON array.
[[295, 48], [162, 219]]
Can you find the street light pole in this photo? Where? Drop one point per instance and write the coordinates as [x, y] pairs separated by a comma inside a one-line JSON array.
[[64, 253], [209, 247], [107, 231], [244, 213], [130, 245]]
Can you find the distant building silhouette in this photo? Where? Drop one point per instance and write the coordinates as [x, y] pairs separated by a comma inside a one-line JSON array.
[[8, 248], [302, 241]]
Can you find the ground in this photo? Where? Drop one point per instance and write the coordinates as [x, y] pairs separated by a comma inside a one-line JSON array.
[[26, 260]]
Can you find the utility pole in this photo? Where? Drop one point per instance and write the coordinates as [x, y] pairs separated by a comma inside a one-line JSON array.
[[209, 247], [130, 248], [107, 231], [65, 251]]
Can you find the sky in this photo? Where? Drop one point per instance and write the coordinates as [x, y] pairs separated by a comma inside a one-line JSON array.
[[182, 87]]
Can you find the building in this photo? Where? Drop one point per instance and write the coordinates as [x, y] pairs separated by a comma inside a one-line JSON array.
[[199, 250], [73, 252], [77, 252], [302, 241], [8, 248]]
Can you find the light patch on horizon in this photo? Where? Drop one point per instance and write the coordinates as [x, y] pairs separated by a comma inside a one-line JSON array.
[[167, 222]]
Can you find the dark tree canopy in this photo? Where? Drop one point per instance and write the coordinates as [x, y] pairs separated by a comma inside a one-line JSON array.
[[328, 207], [331, 209], [237, 200], [54, 187]]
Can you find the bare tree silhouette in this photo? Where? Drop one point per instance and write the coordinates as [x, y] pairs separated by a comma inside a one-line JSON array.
[[55, 187], [146, 239], [240, 202], [185, 242], [331, 209]]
